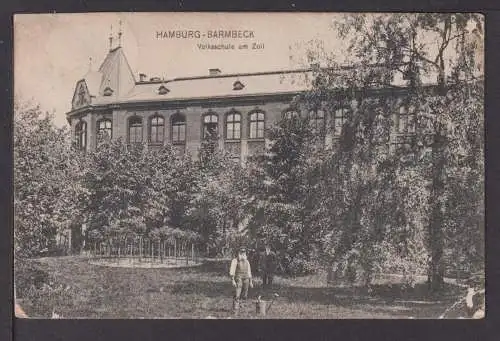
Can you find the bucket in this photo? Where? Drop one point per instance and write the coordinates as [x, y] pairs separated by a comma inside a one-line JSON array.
[[261, 307]]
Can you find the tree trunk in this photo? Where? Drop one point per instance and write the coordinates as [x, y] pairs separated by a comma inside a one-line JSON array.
[[437, 201], [437, 195]]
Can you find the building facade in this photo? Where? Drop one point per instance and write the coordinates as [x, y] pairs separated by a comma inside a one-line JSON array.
[[236, 109]]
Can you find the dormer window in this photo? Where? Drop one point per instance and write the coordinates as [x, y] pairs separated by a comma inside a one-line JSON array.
[[320, 81], [81, 96], [162, 90], [108, 91], [238, 85]]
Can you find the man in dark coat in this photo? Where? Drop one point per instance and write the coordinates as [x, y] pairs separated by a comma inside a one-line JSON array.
[[268, 264]]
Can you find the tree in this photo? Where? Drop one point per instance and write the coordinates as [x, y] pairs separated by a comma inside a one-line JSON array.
[[44, 170], [117, 185], [389, 49], [218, 206], [284, 205], [135, 191]]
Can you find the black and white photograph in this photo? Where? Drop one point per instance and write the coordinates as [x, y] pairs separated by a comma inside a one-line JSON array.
[[249, 165]]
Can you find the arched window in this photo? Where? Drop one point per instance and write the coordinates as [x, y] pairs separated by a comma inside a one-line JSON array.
[[317, 120], [81, 135], [406, 119], [210, 125], [257, 125], [338, 120], [135, 129], [104, 127], [289, 114], [157, 129], [233, 126], [178, 128]]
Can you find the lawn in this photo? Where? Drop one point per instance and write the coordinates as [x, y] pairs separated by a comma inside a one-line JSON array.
[[90, 291]]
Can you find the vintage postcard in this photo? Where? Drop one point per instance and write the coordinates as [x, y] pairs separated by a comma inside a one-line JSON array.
[[249, 165]]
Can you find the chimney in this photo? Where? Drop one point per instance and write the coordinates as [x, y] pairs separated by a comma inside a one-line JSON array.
[[142, 77], [214, 72]]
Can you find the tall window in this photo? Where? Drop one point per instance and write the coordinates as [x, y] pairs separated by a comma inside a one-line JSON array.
[[317, 120], [178, 128], [81, 135], [135, 130], [157, 129], [404, 145], [338, 120], [257, 120], [233, 126], [406, 119], [289, 114], [104, 127], [210, 126]]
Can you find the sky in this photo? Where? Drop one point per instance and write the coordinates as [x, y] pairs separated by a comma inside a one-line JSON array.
[[53, 51]]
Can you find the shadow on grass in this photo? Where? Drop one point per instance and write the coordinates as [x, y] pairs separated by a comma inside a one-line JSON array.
[[216, 267], [394, 299], [389, 298], [387, 292], [206, 290]]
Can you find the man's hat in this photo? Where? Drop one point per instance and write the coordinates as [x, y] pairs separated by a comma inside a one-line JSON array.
[[242, 249]]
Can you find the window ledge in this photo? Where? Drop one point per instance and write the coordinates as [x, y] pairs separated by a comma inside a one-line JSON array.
[[404, 133]]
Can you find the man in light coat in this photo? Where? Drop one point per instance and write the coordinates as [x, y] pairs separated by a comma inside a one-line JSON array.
[[241, 277]]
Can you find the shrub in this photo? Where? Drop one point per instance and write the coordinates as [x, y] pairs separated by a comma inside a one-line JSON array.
[[29, 275], [299, 266]]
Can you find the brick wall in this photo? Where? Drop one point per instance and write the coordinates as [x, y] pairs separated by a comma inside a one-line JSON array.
[[194, 117], [245, 146]]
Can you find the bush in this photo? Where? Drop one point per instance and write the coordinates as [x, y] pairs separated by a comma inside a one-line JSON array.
[[299, 266], [29, 275], [40, 292]]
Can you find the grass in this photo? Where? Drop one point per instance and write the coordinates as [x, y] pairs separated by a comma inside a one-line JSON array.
[[90, 291]]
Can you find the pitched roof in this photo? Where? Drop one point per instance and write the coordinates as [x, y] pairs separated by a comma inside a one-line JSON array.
[[218, 86], [93, 80], [115, 73]]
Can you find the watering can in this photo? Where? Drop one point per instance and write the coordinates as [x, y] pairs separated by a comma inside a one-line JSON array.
[[262, 307]]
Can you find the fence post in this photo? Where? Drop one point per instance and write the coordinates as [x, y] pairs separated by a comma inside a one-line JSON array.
[[131, 252], [175, 249], [140, 249], [192, 252]]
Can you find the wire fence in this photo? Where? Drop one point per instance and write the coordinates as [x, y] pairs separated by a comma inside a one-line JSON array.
[[146, 250]]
